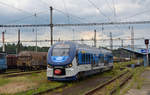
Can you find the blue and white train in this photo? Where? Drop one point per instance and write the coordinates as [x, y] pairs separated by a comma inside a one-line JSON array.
[[70, 61]]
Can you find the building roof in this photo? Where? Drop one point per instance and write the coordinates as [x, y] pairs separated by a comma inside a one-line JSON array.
[[140, 51]]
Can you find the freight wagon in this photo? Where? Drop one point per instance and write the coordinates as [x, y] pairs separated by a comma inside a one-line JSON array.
[[12, 61], [28, 60]]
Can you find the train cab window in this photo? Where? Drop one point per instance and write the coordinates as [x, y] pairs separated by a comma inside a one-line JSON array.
[[61, 50]]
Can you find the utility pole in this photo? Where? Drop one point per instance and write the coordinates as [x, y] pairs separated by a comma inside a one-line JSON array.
[[3, 40], [111, 41], [95, 38], [122, 43], [36, 41], [18, 45], [36, 48], [73, 35], [58, 39], [132, 38], [51, 24], [102, 34]]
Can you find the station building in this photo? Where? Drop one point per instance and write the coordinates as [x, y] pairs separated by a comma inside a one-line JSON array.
[[139, 53]]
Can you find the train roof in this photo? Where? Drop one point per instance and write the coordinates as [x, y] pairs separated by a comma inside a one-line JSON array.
[[87, 47], [29, 53]]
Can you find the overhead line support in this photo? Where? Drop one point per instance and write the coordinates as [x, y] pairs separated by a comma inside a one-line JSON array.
[[51, 24], [81, 24]]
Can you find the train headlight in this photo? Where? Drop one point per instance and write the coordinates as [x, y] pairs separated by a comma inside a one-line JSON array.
[[69, 65]]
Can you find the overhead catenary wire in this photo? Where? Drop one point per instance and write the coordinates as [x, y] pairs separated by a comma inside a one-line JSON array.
[[100, 11], [71, 15], [114, 8], [45, 3], [109, 5], [136, 14], [68, 17], [26, 17], [21, 10]]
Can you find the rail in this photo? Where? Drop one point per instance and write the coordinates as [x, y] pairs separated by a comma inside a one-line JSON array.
[[99, 88]]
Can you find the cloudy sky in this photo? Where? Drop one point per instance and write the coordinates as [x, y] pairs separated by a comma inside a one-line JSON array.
[[76, 11]]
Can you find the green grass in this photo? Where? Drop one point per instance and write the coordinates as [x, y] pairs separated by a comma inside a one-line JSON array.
[[39, 79], [124, 64], [4, 81], [42, 87], [136, 80]]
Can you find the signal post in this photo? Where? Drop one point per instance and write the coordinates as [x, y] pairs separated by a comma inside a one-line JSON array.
[[147, 50]]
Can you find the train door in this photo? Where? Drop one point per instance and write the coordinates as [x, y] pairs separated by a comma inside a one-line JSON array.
[[101, 59], [106, 60], [95, 60]]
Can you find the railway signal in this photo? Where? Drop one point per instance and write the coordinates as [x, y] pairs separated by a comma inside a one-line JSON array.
[[147, 43]]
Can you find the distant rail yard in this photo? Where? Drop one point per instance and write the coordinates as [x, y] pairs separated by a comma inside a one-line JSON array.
[[74, 47]]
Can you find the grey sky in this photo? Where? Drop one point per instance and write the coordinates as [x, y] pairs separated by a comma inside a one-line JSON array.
[[22, 11]]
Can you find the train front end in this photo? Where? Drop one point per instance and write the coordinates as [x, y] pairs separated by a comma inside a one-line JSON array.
[[61, 62]]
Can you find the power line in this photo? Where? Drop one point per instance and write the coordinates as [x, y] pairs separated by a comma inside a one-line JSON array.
[[136, 14], [66, 11], [21, 10], [99, 10], [102, 13], [20, 19], [44, 3], [114, 8], [46, 40], [108, 5], [81, 24], [71, 15]]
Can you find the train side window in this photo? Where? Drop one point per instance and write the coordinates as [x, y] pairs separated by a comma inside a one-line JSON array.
[[77, 58], [87, 58], [102, 59], [91, 57], [106, 59], [83, 58]]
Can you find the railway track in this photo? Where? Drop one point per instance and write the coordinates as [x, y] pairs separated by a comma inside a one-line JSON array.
[[50, 90], [10, 72], [111, 86], [15, 74]]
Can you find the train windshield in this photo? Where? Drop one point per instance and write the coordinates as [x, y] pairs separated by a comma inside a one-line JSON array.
[[61, 50]]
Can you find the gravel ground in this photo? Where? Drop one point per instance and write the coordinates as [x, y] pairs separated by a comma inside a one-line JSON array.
[[81, 87], [145, 89]]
